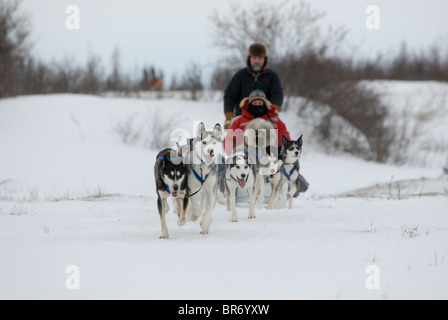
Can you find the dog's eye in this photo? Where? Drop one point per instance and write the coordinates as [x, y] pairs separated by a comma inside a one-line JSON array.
[[246, 167], [203, 142], [237, 167]]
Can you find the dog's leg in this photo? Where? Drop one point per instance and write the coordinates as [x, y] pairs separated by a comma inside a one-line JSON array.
[[228, 201], [191, 208], [176, 206], [165, 206], [272, 198], [160, 207], [196, 206], [279, 193], [184, 204], [258, 190], [232, 201], [209, 204], [252, 203], [291, 192]]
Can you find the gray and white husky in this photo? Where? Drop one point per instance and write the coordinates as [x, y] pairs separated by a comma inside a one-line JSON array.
[[291, 152], [261, 138], [202, 175], [171, 180], [270, 174], [239, 173]]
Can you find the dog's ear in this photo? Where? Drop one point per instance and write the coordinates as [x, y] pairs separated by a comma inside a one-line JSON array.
[[200, 130], [179, 149], [284, 140], [217, 131], [166, 160], [300, 140]]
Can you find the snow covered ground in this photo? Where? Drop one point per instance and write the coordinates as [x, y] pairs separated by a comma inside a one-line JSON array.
[[73, 194]]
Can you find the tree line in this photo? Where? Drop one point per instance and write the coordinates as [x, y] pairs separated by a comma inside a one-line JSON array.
[[309, 61]]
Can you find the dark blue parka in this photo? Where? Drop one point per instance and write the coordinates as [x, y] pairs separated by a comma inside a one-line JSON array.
[[245, 81]]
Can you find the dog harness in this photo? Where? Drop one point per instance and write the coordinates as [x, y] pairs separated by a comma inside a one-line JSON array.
[[167, 188], [199, 177], [288, 175], [162, 158]]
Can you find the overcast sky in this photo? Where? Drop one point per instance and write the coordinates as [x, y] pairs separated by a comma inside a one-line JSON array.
[[171, 33]]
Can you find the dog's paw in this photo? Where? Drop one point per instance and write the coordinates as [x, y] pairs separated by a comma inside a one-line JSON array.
[[204, 232], [164, 236], [233, 220], [251, 217], [194, 218], [181, 222]]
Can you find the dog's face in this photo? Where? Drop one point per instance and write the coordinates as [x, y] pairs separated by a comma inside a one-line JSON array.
[[270, 165], [208, 143], [173, 175], [239, 168], [292, 150]]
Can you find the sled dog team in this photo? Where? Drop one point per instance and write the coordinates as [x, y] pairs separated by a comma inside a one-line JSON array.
[[196, 175]]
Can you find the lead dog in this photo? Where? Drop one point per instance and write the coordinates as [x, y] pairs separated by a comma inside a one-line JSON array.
[[202, 175], [239, 173], [171, 180]]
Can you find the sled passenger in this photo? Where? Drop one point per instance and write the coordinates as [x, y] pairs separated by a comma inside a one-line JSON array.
[[254, 76], [255, 106]]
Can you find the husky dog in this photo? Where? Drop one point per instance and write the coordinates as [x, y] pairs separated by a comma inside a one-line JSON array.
[[202, 174], [171, 180], [260, 145], [291, 152], [239, 173], [270, 173]]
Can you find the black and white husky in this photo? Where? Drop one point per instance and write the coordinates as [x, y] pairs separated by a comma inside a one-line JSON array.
[[291, 152], [239, 173], [202, 174], [171, 180]]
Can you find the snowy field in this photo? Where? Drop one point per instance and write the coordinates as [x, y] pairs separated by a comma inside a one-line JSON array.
[[72, 193]]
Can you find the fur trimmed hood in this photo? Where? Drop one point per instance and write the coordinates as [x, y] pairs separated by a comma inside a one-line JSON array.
[[257, 50]]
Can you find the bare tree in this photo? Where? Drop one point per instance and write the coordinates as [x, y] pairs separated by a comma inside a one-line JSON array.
[[92, 78], [14, 47], [114, 82], [306, 59], [288, 29], [192, 80]]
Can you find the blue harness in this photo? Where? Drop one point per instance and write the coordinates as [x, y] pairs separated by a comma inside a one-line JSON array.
[[288, 175], [167, 188], [199, 177]]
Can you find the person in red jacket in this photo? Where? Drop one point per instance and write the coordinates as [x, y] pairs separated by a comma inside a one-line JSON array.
[[255, 106]]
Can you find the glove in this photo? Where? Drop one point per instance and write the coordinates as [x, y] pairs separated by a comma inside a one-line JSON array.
[[277, 109], [228, 122]]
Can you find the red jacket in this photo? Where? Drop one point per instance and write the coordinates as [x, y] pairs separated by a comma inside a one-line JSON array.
[[242, 121]]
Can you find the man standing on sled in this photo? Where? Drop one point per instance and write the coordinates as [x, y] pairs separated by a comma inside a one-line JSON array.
[[255, 83], [254, 76]]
